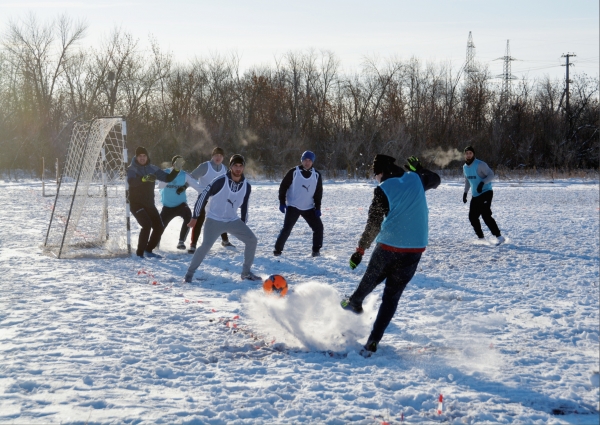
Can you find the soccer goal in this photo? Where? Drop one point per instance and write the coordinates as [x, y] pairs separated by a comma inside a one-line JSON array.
[[90, 217]]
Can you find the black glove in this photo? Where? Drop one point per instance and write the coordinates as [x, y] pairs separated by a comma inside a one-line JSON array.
[[413, 164], [356, 258], [465, 198], [479, 187], [181, 189], [151, 178]]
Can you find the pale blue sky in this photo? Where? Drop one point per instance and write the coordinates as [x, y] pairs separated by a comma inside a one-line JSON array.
[[540, 31]]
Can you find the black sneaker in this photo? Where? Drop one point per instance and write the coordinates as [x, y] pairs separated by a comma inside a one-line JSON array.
[[192, 249], [180, 245], [347, 305], [276, 253], [316, 254], [227, 244], [369, 348], [152, 255]]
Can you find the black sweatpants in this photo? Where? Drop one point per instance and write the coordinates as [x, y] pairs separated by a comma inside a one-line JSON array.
[[150, 221], [397, 269], [169, 213], [198, 228], [291, 217], [482, 206]]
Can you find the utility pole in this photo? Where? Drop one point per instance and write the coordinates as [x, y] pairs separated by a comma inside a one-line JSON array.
[[470, 63], [506, 74], [567, 64]]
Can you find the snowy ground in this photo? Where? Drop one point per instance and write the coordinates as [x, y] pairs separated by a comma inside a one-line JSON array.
[[506, 335]]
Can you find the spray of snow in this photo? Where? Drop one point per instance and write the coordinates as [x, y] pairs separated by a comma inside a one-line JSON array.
[[309, 317]]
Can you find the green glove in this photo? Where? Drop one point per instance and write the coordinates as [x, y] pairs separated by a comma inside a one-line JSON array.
[[413, 164], [149, 178], [356, 258]]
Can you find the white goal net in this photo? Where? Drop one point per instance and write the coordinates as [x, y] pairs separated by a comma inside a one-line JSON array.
[[90, 217]]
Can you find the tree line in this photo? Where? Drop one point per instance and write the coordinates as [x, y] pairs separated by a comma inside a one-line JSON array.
[[271, 114]]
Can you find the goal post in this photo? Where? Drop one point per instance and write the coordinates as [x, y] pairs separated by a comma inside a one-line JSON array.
[[91, 215]]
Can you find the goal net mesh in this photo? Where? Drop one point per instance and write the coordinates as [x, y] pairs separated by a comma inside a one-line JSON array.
[[90, 214]]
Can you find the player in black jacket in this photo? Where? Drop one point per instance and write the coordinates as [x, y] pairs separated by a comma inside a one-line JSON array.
[[141, 176], [300, 194]]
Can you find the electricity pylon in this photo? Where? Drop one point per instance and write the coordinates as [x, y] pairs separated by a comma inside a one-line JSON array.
[[506, 75], [470, 67]]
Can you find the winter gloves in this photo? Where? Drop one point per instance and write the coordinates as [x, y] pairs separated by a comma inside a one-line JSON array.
[[356, 258], [413, 164], [317, 213], [465, 198], [479, 187], [149, 178], [182, 189]]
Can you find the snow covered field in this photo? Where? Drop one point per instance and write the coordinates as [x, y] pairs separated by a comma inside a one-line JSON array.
[[508, 334]]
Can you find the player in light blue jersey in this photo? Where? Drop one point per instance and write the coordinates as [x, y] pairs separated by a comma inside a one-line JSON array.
[[478, 179]]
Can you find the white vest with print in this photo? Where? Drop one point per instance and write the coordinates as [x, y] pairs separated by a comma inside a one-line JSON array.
[[224, 205], [301, 192], [210, 175]]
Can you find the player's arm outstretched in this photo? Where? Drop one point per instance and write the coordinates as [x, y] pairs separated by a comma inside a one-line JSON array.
[[193, 183], [429, 179]]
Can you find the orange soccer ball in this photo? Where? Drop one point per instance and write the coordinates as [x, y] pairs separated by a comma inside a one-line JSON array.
[[276, 284]]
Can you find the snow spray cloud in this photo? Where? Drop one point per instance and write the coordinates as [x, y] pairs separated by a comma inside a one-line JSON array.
[[442, 158], [308, 317]]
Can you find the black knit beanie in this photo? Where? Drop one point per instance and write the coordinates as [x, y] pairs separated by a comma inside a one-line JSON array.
[[141, 150], [237, 159], [382, 163]]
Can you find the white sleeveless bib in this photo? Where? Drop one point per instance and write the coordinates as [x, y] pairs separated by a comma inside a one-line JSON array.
[[302, 191], [224, 205], [210, 175]]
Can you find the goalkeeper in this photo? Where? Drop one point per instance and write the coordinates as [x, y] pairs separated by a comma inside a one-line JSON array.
[[174, 199], [141, 176], [398, 217]]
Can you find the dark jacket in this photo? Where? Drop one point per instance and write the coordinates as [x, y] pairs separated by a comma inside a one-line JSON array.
[[287, 182], [142, 193], [380, 205]]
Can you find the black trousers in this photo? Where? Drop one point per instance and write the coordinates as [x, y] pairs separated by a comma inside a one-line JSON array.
[[482, 206], [150, 221], [169, 213], [291, 217], [198, 228], [397, 269]]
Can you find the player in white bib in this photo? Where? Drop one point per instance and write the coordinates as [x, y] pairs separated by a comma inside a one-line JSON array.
[[205, 173], [300, 194], [221, 199]]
